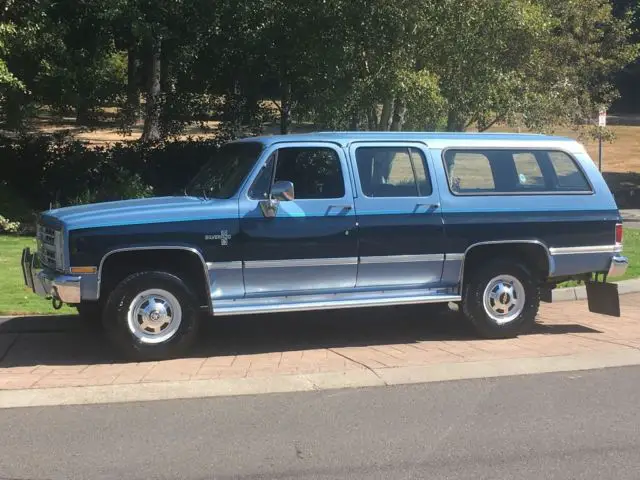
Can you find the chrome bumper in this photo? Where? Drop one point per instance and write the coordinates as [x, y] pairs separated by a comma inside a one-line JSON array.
[[47, 283], [618, 266]]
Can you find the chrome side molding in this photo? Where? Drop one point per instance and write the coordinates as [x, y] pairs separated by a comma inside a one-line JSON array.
[[249, 306]]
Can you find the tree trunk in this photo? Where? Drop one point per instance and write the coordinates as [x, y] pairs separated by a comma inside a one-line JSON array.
[[82, 113], [372, 118], [399, 111], [165, 69], [455, 122], [385, 116], [285, 107], [354, 123], [132, 106], [151, 131]]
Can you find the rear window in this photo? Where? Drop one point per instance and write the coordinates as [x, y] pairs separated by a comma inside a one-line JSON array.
[[504, 171]]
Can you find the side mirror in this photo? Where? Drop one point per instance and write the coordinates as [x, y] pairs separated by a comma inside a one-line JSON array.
[[283, 191]]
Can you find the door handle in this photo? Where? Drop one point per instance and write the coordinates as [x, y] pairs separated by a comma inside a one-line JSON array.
[[341, 207], [428, 205]]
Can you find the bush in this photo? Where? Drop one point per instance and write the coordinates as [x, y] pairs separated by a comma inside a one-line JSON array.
[[52, 171], [7, 226]]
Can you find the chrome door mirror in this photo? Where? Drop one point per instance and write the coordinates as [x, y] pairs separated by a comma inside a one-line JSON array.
[[283, 191], [269, 208]]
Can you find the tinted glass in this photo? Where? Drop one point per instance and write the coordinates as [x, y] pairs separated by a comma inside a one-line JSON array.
[[528, 170], [392, 172], [315, 172], [513, 171], [569, 176], [469, 172], [223, 174]]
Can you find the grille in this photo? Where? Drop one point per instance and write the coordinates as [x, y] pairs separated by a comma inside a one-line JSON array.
[[47, 246]]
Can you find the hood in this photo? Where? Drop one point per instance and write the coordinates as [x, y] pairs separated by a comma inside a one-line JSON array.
[[140, 211]]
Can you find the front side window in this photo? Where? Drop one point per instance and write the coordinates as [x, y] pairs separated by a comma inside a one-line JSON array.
[[314, 171], [506, 171], [392, 172]]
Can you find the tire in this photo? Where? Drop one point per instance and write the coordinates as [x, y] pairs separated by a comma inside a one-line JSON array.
[[151, 316], [507, 314]]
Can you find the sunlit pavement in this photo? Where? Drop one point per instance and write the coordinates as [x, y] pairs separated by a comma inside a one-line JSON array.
[[39, 352]]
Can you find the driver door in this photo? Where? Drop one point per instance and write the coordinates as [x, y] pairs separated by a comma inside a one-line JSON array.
[[308, 244]]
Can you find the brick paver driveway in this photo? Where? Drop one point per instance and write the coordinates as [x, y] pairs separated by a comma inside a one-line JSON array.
[[62, 352]]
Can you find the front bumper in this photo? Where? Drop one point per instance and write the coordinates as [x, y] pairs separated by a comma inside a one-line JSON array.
[[619, 265], [47, 283]]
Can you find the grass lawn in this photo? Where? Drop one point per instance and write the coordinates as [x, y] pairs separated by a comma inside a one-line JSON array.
[[16, 298]]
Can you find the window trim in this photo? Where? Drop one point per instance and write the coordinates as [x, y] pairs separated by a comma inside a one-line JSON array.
[[275, 147], [400, 146], [575, 161]]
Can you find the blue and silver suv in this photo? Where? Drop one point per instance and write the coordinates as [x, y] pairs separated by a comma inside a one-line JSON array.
[[335, 220]]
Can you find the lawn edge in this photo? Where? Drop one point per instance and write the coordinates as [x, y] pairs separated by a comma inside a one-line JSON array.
[[580, 292]]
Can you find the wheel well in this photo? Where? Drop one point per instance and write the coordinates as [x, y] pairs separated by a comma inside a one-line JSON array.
[[532, 255], [182, 263]]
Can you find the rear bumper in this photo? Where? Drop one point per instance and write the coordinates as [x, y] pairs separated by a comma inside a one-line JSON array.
[[618, 267], [47, 283]]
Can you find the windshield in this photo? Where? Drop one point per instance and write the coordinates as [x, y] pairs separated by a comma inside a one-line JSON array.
[[223, 174]]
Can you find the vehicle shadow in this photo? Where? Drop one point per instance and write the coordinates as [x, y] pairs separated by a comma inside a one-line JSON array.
[[66, 340]]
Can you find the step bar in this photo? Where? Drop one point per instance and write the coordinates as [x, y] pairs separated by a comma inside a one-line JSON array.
[[302, 303]]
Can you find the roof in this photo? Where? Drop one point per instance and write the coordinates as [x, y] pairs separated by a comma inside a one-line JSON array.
[[433, 139]]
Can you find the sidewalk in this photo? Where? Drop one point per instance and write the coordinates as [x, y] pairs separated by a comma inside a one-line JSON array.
[[631, 217], [63, 353]]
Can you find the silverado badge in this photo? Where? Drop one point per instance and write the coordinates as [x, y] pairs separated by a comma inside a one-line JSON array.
[[224, 237]]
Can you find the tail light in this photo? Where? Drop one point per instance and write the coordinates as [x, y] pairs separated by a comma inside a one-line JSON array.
[[619, 234]]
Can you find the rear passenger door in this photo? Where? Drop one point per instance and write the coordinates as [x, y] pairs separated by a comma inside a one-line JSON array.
[[400, 226]]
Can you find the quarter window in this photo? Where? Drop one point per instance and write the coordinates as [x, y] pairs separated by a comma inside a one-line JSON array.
[[392, 172], [568, 175], [503, 171]]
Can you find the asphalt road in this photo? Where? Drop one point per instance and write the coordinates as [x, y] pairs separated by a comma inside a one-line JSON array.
[[579, 425]]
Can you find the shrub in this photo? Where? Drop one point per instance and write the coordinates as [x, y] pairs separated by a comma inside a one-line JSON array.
[[7, 226], [47, 171]]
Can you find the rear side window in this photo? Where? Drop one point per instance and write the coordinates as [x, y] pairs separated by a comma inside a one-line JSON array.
[[505, 171], [387, 172]]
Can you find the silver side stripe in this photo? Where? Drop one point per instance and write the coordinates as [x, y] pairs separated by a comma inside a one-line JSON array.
[[585, 250], [302, 262], [455, 256], [223, 265], [402, 259]]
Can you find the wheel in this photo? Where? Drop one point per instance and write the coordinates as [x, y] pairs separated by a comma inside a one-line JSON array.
[[501, 299], [151, 316]]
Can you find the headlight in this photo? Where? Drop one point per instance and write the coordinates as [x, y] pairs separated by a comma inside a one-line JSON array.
[[59, 244]]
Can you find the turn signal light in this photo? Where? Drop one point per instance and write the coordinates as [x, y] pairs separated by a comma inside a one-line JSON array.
[[84, 269]]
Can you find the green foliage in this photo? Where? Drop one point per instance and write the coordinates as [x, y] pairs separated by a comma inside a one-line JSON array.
[[371, 64], [56, 171], [7, 226]]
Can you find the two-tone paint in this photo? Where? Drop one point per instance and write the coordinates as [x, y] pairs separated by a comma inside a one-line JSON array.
[[352, 245]]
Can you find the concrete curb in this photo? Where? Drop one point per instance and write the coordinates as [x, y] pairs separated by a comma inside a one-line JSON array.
[[580, 292], [623, 356]]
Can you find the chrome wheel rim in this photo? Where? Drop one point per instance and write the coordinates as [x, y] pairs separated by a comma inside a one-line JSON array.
[[154, 316], [504, 299]]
